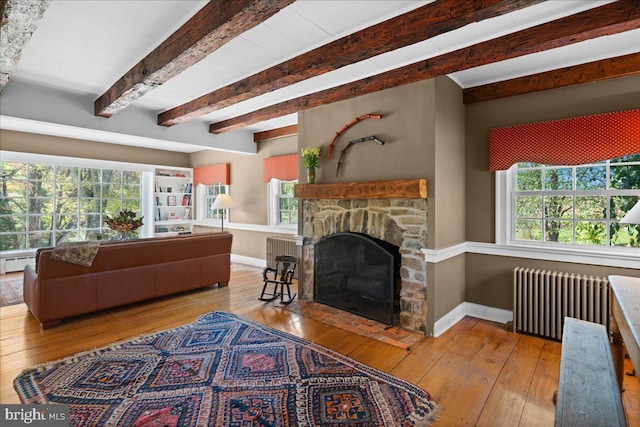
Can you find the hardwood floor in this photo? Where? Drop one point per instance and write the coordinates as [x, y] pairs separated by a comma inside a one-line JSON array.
[[479, 373]]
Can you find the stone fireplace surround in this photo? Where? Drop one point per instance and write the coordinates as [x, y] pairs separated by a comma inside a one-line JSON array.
[[394, 211]]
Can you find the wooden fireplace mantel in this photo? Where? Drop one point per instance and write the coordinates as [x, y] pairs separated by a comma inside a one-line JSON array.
[[393, 189]]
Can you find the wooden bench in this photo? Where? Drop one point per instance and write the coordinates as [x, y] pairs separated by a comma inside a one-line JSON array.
[[588, 391]]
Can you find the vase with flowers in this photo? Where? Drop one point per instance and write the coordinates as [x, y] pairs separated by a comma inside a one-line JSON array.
[[125, 222], [311, 158]]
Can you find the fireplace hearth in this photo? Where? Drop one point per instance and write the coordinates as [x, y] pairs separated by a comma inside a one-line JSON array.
[[359, 274]]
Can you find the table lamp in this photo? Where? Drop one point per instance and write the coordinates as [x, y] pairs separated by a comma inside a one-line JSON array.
[[633, 216]]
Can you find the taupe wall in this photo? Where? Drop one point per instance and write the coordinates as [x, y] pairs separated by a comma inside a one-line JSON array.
[[56, 146], [251, 244], [488, 278], [422, 126], [248, 191], [446, 283], [406, 127], [448, 227], [447, 279]]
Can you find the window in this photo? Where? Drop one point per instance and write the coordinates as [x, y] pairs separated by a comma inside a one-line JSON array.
[[575, 205], [283, 206], [43, 205], [208, 194]]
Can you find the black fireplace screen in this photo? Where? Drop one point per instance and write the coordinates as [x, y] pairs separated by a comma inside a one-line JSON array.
[[357, 273]]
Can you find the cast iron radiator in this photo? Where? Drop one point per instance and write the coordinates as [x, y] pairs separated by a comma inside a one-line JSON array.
[[542, 299], [278, 246]]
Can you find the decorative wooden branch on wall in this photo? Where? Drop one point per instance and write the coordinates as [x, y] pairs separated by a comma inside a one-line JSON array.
[[351, 144], [348, 125]]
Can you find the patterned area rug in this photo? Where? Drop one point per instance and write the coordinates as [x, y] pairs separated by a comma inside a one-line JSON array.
[[10, 291], [223, 370]]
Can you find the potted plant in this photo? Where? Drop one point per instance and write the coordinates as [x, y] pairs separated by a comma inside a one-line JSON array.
[[125, 223], [311, 158]]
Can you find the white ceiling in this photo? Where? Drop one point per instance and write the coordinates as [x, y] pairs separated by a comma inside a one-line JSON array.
[[83, 47]]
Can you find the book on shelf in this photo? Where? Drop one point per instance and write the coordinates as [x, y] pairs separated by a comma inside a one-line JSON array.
[[186, 200], [187, 212], [162, 230]]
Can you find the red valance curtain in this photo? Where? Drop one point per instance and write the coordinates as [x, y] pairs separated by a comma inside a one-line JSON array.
[[212, 174], [280, 167], [573, 141]]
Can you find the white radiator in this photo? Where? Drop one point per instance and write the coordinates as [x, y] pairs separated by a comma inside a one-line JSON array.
[[542, 299], [279, 246], [7, 265]]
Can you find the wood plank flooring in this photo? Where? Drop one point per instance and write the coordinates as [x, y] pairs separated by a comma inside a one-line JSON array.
[[479, 373]]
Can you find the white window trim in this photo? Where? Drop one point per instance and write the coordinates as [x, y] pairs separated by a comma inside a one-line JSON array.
[[503, 207], [201, 206], [605, 255], [273, 190]]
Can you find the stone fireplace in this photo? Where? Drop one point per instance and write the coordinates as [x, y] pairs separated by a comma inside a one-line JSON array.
[[391, 211]]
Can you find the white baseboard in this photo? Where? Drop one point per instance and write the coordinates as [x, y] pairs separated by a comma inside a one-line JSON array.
[[470, 309], [255, 262]]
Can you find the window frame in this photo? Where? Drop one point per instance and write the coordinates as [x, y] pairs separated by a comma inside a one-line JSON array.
[[505, 216], [274, 195], [202, 205], [144, 171]]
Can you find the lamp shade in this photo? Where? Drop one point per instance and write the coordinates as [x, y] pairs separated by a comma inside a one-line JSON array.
[[222, 201], [633, 216]]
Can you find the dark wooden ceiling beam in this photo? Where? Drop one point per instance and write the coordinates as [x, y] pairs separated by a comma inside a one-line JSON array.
[[610, 19], [609, 68], [275, 133], [420, 24], [217, 23], [19, 20]]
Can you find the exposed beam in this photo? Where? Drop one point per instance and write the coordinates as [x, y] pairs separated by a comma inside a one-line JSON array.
[[19, 20], [420, 24], [275, 133], [602, 21], [217, 23], [584, 73]]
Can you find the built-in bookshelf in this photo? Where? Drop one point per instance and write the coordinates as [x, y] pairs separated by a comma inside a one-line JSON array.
[[173, 201]]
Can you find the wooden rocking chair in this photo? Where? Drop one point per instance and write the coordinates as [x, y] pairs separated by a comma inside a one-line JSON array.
[[280, 276]]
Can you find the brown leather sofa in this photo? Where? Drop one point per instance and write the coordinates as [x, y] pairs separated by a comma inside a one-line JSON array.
[[125, 272]]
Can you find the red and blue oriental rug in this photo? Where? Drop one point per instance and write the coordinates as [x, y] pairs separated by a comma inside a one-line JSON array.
[[223, 370]]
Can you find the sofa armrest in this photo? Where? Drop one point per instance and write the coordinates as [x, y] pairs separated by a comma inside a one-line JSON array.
[[30, 290]]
